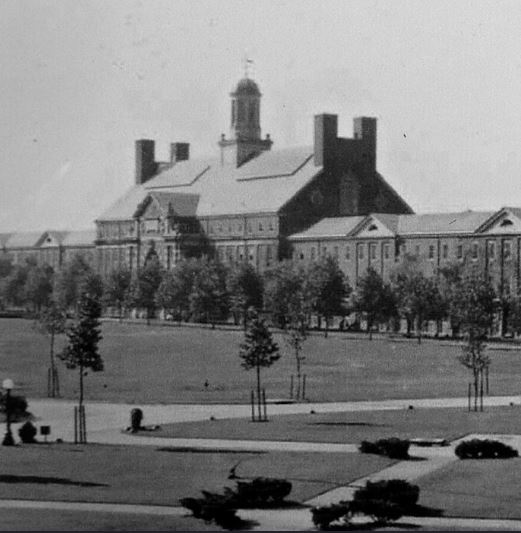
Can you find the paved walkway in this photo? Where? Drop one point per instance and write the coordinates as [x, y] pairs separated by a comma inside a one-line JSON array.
[[109, 418]]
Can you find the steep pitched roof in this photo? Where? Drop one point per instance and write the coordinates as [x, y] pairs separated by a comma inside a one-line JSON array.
[[80, 238], [183, 173], [125, 206], [51, 236], [331, 227]]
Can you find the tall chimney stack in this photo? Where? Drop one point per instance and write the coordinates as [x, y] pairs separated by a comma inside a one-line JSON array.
[[326, 132], [145, 160]]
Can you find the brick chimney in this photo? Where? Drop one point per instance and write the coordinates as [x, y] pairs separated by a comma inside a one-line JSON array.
[[326, 131], [179, 152], [364, 129], [146, 165]]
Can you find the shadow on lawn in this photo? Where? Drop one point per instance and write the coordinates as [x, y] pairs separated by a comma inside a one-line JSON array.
[[43, 480], [348, 424], [187, 449]]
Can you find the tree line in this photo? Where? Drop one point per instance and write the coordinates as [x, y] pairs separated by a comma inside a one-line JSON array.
[[291, 293]]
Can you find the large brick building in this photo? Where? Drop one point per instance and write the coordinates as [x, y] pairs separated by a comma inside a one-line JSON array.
[[254, 203]]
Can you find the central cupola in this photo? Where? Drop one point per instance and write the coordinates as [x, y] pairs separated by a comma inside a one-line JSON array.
[[245, 132]]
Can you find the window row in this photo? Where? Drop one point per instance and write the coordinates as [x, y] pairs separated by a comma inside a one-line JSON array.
[[238, 227]]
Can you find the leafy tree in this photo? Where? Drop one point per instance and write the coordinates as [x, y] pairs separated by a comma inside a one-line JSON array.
[[12, 286], [418, 297], [173, 294], [69, 281], [38, 286], [116, 288], [374, 298], [209, 297], [83, 340], [258, 350], [52, 321], [286, 292], [6, 265], [475, 306], [245, 289], [328, 288], [143, 288]]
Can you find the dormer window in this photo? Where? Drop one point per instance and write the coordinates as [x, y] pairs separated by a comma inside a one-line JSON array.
[[372, 227], [506, 222]]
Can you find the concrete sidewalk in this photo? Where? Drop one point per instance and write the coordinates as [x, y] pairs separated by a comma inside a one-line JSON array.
[[112, 417]]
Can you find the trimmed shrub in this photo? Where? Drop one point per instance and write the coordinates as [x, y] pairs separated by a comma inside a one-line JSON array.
[[324, 516], [393, 447], [484, 449], [28, 433], [385, 501], [261, 491], [213, 507]]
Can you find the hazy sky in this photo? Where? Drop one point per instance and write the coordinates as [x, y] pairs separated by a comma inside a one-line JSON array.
[[81, 80]]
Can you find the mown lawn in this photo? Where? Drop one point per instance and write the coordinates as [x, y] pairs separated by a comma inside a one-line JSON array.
[[52, 520], [353, 427], [160, 476], [171, 364], [475, 488]]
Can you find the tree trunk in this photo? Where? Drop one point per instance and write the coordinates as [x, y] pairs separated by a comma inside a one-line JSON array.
[[53, 369], [120, 307], [481, 390], [476, 379], [80, 403], [370, 329], [419, 330], [326, 320], [259, 392], [298, 373]]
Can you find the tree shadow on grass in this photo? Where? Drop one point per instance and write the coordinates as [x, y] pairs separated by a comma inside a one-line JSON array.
[[187, 449], [44, 480], [372, 526]]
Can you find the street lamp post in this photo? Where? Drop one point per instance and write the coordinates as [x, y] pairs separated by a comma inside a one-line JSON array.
[[7, 385]]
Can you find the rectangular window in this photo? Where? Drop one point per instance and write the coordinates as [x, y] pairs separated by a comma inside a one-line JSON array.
[[313, 254], [386, 250], [445, 251], [507, 249], [372, 250], [417, 249], [168, 257], [260, 226], [459, 251], [474, 250], [348, 253], [491, 250], [431, 251], [360, 251], [335, 251], [324, 250]]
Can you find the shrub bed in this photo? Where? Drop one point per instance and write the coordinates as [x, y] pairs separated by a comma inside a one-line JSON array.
[[222, 508], [484, 449], [393, 447], [384, 501]]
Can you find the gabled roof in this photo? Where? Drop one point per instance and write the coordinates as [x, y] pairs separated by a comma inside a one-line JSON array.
[[170, 203], [26, 239], [51, 235], [80, 238], [262, 185], [463, 222], [331, 227]]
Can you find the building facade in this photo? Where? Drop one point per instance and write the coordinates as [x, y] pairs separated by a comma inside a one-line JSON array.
[[254, 203]]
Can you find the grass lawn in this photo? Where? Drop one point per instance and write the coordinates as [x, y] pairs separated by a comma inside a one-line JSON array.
[[51, 520], [353, 427], [171, 364], [141, 474], [475, 488]]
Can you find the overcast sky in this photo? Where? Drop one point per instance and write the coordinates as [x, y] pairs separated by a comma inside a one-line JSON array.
[[82, 80]]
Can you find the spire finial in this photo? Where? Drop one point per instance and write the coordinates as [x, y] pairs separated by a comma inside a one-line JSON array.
[[248, 66]]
